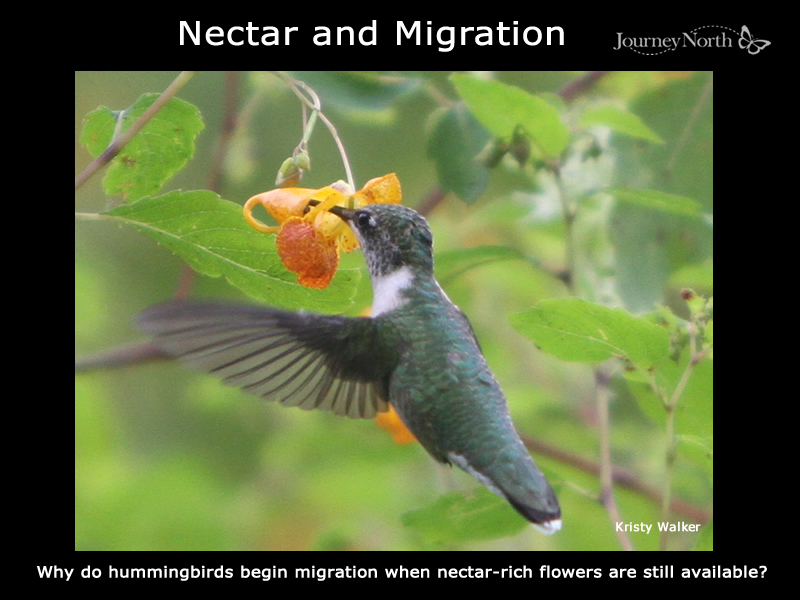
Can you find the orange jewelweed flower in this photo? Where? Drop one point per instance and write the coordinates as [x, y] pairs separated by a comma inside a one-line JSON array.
[[391, 422], [309, 237]]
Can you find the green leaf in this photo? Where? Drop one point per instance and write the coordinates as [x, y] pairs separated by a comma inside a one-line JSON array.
[[655, 199], [453, 263], [619, 120], [154, 155], [682, 111], [695, 409], [575, 330], [655, 237], [455, 140], [211, 235], [501, 108], [455, 519], [361, 90]]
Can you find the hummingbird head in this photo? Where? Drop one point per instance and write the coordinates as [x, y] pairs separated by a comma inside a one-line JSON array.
[[392, 236]]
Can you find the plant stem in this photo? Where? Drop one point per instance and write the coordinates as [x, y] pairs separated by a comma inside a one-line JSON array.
[[672, 440], [606, 466], [309, 97], [567, 275], [688, 128], [670, 464]]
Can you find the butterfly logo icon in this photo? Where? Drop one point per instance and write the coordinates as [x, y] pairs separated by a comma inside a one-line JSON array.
[[749, 43]]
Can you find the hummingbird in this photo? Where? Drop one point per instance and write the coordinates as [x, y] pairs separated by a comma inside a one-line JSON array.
[[417, 351]]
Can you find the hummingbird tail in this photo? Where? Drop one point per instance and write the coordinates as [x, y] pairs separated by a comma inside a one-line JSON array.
[[540, 507], [546, 522]]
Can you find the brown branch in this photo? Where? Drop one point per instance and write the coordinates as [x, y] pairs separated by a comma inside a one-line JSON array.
[[229, 125], [432, 199], [620, 476], [578, 86]]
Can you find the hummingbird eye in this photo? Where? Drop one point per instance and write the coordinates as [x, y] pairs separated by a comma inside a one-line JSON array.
[[364, 219]]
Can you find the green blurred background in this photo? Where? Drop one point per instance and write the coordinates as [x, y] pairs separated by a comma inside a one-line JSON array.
[[168, 459]]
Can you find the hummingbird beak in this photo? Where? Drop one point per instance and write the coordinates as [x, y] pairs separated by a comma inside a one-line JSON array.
[[343, 213]]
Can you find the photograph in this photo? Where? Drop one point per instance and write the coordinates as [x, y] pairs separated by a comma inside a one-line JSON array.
[[395, 310]]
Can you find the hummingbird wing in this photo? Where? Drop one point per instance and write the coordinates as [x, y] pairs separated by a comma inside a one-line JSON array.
[[313, 361]]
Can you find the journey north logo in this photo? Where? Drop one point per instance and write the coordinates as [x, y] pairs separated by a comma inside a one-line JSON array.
[[707, 36]]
